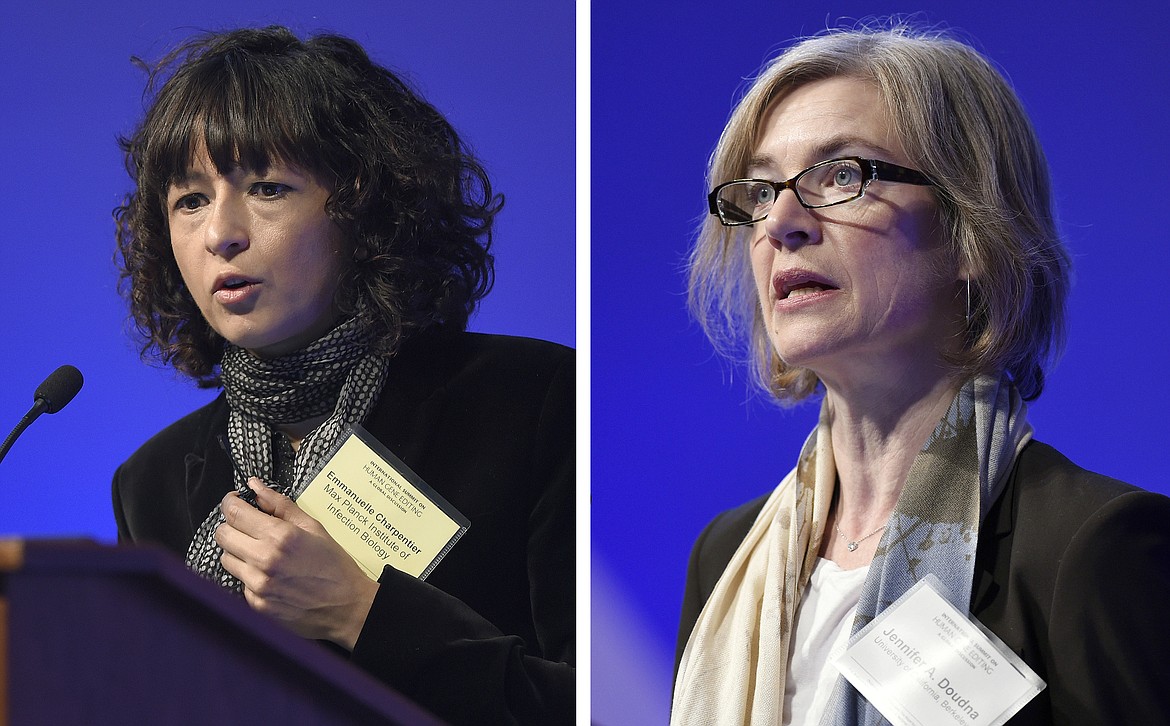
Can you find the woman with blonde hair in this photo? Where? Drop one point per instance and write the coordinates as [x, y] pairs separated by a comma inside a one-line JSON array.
[[881, 234]]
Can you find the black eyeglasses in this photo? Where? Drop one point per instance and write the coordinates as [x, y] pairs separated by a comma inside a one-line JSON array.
[[836, 181]]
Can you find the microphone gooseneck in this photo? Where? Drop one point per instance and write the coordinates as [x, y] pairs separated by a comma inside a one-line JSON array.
[[50, 397]]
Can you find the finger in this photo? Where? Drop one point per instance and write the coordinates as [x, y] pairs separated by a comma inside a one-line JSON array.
[[243, 516], [240, 544], [281, 507], [252, 578], [263, 590], [266, 496]]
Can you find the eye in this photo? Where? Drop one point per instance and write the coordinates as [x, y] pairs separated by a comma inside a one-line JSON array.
[[189, 202], [269, 190], [761, 195], [846, 174]]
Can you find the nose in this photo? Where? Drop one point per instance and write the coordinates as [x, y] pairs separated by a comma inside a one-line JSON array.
[[227, 233], [789, 223]]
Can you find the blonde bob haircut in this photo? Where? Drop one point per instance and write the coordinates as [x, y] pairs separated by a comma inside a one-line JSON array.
[[962, 126]]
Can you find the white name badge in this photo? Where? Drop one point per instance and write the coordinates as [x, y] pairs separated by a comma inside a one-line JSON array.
[[922, 662], [380, 511]]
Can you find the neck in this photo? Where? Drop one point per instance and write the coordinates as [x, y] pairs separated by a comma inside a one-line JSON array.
[[877, 431], [297, 432]]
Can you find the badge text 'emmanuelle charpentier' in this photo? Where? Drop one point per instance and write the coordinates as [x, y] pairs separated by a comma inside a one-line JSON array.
[[360, 510], [380, 511]]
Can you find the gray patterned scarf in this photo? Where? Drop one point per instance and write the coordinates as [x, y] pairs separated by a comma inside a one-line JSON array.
[[934, 528], [733, 670], [335, 374]]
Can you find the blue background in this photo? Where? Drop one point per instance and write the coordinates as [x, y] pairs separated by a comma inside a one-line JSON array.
[[503, 75], [676, 440]]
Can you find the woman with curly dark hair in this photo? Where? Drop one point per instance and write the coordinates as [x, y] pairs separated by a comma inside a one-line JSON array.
[[310, 235]]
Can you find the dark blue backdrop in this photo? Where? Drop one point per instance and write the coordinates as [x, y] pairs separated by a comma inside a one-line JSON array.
[[503, 75], [674, 439]]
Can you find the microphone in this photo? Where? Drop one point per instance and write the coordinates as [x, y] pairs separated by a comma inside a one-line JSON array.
[[50, 397], [58, 389]]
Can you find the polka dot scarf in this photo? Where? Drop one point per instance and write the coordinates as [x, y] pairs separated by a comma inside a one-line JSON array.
[[336, 374]]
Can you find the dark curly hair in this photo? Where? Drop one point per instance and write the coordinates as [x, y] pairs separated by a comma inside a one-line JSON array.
[[411, 200]]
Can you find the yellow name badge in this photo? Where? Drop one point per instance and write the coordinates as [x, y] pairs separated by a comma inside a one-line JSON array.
[[380, 511]]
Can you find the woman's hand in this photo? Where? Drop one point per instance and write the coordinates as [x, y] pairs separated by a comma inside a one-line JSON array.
[[291, 568]]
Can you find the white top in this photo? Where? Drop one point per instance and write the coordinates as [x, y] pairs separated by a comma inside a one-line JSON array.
[[823, 621]]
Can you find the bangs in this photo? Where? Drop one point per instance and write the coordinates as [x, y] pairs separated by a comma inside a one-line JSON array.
[[244, 110]]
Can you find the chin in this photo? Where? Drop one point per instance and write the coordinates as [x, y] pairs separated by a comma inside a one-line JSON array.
[[802, 351], [260, 342]]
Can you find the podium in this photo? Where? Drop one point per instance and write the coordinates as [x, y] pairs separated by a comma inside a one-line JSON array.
[[91, 634]]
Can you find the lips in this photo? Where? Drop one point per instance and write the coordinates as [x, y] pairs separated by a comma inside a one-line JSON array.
[[233, 288], [795, 283], [231, 281]]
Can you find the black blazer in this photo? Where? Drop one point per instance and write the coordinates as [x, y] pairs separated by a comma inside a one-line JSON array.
[[488, 422], [1072, 573]]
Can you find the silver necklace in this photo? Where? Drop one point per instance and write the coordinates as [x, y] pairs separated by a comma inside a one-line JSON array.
[[853, 544]]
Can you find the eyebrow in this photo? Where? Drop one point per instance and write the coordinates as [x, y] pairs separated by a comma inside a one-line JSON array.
[[823, 151], [192, 176], [187, 178]]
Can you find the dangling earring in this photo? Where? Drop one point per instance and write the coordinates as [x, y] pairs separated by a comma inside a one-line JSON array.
[[968, 301]]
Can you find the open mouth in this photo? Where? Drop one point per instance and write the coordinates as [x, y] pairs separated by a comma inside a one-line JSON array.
[[804, 288], [232, 283], [232, 289]]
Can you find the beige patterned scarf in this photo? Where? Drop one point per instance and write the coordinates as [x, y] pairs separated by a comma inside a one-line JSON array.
[[733, 670]]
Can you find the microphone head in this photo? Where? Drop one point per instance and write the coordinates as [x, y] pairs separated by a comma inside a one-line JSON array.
[[59, 388]]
